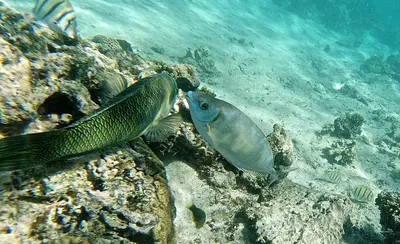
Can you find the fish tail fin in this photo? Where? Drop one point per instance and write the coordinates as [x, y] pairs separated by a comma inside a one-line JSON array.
[[20, 152], [273, 176]]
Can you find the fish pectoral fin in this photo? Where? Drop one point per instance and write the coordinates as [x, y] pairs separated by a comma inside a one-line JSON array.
[[112, 86], [163, 129]]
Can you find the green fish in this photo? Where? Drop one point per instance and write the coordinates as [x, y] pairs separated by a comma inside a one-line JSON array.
[[139, 109], [198, 215], [229, 131]]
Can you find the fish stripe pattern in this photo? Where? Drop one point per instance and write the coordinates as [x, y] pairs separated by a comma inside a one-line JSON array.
[[361, 193], [59, 15], [52, 9]]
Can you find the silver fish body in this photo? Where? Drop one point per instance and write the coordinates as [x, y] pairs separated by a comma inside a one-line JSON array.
[[362, 194], [59, 15], [229, 131], [333, 176]]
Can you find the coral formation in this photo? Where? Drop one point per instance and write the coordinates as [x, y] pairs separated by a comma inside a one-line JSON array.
[[282, 147], [123, 196], [200, 58], [389, 205], [186, 76], [376, 65], [348, 125], [373, 64], [341, 152]]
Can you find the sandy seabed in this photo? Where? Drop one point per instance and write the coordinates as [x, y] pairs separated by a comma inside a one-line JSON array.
[[278, 73]]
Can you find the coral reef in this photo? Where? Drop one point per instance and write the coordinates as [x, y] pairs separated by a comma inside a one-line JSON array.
[[389, 205], [200, 58], [373, 64], [282, 147], [348, 125], [376, 65], [395, 131], [340, 152], [122, 195], [186, 76]]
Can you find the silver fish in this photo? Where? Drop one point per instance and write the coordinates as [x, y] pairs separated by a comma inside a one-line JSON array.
[[59, 15], [362, 194], [229, 131]]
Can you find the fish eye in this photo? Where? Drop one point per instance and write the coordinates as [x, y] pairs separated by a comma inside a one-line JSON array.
[[204, 106]]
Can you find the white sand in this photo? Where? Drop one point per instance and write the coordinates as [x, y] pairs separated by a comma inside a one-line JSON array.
[[286, 78]]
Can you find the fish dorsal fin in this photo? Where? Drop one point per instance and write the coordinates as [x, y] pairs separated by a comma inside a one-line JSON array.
[[112, 86], [164, 128]]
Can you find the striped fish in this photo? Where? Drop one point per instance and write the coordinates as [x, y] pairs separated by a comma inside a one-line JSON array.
[[362, 194], [332, 176], [59, 15]]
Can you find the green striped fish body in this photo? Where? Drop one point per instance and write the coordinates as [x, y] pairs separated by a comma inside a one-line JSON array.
[[129, 115], [59, 15], [362, 194]]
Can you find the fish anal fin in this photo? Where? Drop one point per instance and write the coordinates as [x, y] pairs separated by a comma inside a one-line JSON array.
[[164, 128]]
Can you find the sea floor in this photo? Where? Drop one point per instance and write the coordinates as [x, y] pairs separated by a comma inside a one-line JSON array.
[[272, 65]]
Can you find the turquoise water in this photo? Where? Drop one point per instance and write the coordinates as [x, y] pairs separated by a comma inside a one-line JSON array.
[[327, 71]]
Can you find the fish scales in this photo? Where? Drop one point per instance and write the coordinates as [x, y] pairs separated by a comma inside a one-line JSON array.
[[232, 133], [127, 117]]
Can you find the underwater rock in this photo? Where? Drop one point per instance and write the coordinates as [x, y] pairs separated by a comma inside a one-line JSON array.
[[392, 65], [240, 207], [327, 48], [121, 51], [395, 131], [350, 41], [281, 146], [311, 217], [38, 73], [15, 71], [342, 151], [200, 58], [158, 49], [348, 125], [374, 64], [120, 197], [186, 76], [389, 205]]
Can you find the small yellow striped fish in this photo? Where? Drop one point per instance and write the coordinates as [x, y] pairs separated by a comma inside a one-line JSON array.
[[332, 176], [362, 194], [59, 15]]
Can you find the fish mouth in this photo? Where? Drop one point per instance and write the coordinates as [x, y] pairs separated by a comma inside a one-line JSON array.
[[189, 96]]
